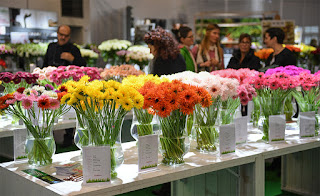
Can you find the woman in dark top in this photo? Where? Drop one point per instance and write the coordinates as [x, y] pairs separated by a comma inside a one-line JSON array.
[[273, 38], [244, 57], [167, 58]]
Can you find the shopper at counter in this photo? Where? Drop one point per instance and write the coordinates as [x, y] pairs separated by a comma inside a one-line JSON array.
[[209, 54], [185, 36], [281, 56], [63, 52], [167, 58], [244, 56]]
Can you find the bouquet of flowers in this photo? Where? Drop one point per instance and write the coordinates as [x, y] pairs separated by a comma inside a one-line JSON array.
[[117, 73], [31, 52], [292, 71], [139, 55], [110, 47], [144, 122], [102, 106], [264, 53], [90, 56], [64, 73], [172, 102], [38, 107], [122, 56], [4, 51], [44, 73], [11, 82], [272, 91], [308, 94]]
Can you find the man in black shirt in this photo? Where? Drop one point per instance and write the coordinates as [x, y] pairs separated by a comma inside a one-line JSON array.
[[63, 52], [281, 56]]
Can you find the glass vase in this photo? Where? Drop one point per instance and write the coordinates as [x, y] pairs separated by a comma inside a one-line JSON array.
[[81, 136], [174, 139], [255, 115], [40, 147], [205, 128], [143, 123], [269, 106], [106, 131]]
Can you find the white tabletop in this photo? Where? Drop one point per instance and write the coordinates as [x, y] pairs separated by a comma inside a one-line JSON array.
[[196, 163]]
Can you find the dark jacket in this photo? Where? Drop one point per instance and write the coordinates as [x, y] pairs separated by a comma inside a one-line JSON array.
[[284, 58], [168, 66], [52, 57], [250, 61]]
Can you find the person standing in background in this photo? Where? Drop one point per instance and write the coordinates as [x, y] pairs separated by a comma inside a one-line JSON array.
[[273, 38], [209, 54], [167, 58], [63, 52], [185, 37], [244, 57]]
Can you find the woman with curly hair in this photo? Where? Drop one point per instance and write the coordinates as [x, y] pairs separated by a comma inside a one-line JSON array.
[[167, 58], [209, 54]]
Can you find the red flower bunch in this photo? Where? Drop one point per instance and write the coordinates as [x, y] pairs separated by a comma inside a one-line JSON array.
[[307, 80], [241, 74], [3, 63], [166, 97], [293, 48]]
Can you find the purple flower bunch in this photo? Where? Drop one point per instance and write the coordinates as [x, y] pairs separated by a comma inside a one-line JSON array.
[[72, 72], [290, 70], [18, 77]]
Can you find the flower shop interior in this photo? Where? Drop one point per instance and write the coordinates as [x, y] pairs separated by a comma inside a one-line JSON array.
[[113, 125]]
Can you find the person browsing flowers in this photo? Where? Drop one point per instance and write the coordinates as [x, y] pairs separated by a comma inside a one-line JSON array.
[[244, 57], [167, 58], [186, 39], [209, 54], [63, 52]]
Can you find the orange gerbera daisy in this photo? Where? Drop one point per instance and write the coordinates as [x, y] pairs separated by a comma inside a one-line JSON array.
[[44, 103], [163, 109], [186, 108]]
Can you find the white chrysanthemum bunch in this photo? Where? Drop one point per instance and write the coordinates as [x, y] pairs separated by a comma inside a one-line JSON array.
[[114, 44], [138, 53], [88, 53]]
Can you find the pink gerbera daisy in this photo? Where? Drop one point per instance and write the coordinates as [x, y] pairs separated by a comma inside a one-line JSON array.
[[27, 103]]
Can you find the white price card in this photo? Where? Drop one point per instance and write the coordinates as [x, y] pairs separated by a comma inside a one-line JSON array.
[[96, 164], [277, 127], [147, 152], [19, 143], [241, 128], [307, 123], [227, 138]]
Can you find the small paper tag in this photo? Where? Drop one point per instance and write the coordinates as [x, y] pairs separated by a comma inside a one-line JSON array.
[[307, 122], [277, 127], [148, 152], [241, 129], [227, 138], [19, 141], [96, 164]]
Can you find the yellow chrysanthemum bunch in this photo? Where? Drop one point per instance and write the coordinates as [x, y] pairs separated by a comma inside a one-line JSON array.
[[138, 81]]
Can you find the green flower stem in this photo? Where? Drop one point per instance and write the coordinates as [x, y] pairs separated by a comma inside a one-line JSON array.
[[173, 138], [228, 110], [288, 108], [144, 118], [255, 115], [205, 128]]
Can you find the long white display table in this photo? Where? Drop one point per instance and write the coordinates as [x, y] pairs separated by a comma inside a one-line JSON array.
[[15, 182]]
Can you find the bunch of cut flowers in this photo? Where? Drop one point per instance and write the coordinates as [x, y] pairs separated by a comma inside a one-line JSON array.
[[272, 91], [101, 107], [11, 81], [110, 47], [139, 55], [307, 94], [117, 73], [38, 107]]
